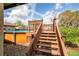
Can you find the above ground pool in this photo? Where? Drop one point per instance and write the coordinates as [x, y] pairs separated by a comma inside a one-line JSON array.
[[20, 35], [17, 30]]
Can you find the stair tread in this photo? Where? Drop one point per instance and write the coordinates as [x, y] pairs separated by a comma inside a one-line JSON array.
[[48, 32], [47, 45], [55, 52], [43, 50], [48, 41], [48, 37]]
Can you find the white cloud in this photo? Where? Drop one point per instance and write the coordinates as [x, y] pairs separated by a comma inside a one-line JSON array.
[[15, 19], [48, 17], [26, 21], [46, 14], [9, 19], [57, 14], [58, 6], [17, 13], [20, 11]]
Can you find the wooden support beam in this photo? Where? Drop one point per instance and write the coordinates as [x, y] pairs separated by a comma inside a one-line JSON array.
[[1, 29], [14, 37]]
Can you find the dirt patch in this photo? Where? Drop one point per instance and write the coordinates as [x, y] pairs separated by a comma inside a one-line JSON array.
[[14, 50], [70, 44], [76, 49], [72, 51]]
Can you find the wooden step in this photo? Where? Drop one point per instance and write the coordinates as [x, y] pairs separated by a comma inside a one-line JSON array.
[[55, 52], [52, 52], [44, 45], [49, 46], [48, 35], [49, 38], [47, 41], [43, 50], [48, 32]]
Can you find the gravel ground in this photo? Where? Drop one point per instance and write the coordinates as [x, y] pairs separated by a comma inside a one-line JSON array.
[[18, 50], [14, 50]]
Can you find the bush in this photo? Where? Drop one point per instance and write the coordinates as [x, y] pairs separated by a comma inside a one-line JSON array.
[[70, 34]]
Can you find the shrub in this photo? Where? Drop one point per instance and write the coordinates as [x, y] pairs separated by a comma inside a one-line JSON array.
[[70, 34]]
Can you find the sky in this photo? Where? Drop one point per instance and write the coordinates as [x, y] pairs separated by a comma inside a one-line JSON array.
[[45, 11]]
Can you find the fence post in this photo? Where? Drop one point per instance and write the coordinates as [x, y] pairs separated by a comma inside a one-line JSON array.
[[14, 36]]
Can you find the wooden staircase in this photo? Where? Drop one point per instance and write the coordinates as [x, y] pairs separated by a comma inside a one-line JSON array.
[[48, 43]]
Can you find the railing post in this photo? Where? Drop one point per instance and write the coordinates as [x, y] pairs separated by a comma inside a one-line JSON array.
[[61, 41], [14, 37], [54, 20], [31, 47]]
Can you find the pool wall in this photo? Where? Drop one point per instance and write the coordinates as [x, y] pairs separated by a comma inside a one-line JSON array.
[[20, 37]]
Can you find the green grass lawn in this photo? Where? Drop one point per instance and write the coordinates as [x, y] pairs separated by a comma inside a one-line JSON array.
[[71, 35], [72, 52]]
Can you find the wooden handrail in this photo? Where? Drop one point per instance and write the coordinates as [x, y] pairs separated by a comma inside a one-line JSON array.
[[34, 40], [60, 39]]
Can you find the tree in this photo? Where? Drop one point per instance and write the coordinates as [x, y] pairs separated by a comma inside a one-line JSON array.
[[19, 24], [69, 18]]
